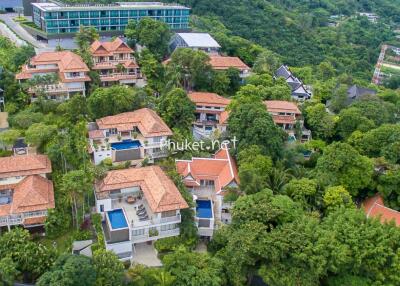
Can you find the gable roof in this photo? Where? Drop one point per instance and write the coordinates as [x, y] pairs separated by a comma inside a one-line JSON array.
[[223, 63], [160, 192], [24, 165], [66, 61], [110, 47], [356, 91], [375, 207], [145, 119], [199, 40], [33, 193], [209, 99], [283, 71], [221, 168], [277, 106]]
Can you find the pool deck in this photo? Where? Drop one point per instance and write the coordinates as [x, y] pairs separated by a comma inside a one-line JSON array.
[[130, 211]]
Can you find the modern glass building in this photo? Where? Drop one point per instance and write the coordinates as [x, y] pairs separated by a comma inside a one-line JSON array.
[[58, 18]]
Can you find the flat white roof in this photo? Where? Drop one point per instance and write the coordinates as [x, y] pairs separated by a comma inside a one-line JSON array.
[[54, 7], [196, 40]]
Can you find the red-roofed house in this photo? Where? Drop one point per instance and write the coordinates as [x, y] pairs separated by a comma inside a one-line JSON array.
[[208, 179], [130, 136], [68, 69], [115, 63], [375, 207], [221, 63], [210, 113], [138, 205], [285, 114], [25, 192]]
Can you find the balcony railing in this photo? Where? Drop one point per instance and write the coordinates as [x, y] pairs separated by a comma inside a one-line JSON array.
[[18, 219], [161, 234], [155, 221], [55, 88]]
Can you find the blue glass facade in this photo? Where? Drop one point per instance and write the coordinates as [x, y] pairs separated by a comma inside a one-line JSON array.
[[107, 18]]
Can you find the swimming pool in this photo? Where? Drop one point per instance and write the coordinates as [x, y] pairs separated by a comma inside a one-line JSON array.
[[203, 209], [126, 144], [117, 219]]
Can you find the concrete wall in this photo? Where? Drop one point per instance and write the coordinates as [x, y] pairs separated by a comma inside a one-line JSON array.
[[127, 155]]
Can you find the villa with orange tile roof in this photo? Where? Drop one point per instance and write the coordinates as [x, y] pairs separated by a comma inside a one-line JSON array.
[[68, 69], [115, 63], [138, 205], [375, 207], [25, 192], [285, 114], [208, 180], [130, 136], [211, 115], [221, 63]]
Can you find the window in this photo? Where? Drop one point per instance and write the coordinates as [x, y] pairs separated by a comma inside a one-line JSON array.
[[138, 232], [101, 208], [168, 227], [157, 139], [206, 183], [114, 13], [168, 213]]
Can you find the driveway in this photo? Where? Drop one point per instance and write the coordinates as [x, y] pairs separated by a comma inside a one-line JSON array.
[[146, 255], [22, 33]]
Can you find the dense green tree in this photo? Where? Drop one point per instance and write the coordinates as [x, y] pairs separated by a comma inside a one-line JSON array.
[[70, 270], [336, 197], [25, 118], [152, 69], [75, 109], [188, 69], [39, 134], [253, 170], [376, 109], [342, 165], [116, 99], [266, 208], [251, 124], [152, 34], [322, 123], [389, 186], [352, 119], [109, 269], [86, 36], [177, 115], [8, 271], [194, 269], [302, 190], [10, 136]]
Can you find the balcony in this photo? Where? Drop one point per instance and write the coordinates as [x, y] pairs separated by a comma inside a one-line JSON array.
[[161, 234], [54, 89]]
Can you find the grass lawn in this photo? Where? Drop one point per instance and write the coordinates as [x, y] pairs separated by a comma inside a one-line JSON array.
[[20, 19], [63, 243]]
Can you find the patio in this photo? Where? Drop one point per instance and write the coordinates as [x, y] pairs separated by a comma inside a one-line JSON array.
[[131, 210], [146, 254]]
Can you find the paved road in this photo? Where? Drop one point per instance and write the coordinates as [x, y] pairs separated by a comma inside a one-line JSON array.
[[22, 33], [6, 32]]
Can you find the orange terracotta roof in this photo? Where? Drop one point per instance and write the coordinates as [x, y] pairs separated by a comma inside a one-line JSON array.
[[275, 106], [223, 63], [223, 118], [34, 220], [67, 61], [24, 165], [116, 46], [209, 99], [130, 64], [284, 119], [160, 192], [32, 194], [94, 134], [221, 168], [145, 119], [375, 207]]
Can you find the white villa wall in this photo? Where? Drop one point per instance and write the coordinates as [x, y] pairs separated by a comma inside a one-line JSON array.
[[121, 247], [106, 203], [51, 66], [101, 155]]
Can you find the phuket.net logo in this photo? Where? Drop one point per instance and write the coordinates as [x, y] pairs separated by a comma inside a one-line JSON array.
[[201, 145]]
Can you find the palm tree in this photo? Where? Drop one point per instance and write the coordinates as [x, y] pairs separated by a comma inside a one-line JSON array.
[[164, 278], [278, 178]]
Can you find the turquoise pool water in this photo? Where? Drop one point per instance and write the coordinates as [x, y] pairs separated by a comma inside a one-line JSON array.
[[117, 219], [126, 144], [203, 209]]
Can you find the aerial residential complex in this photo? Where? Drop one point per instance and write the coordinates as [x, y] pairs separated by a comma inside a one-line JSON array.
[[211, 115], [115, 63], [67, 69], [209, 180], [25, 192], [130, 136], [138, 205], [57, 18]]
